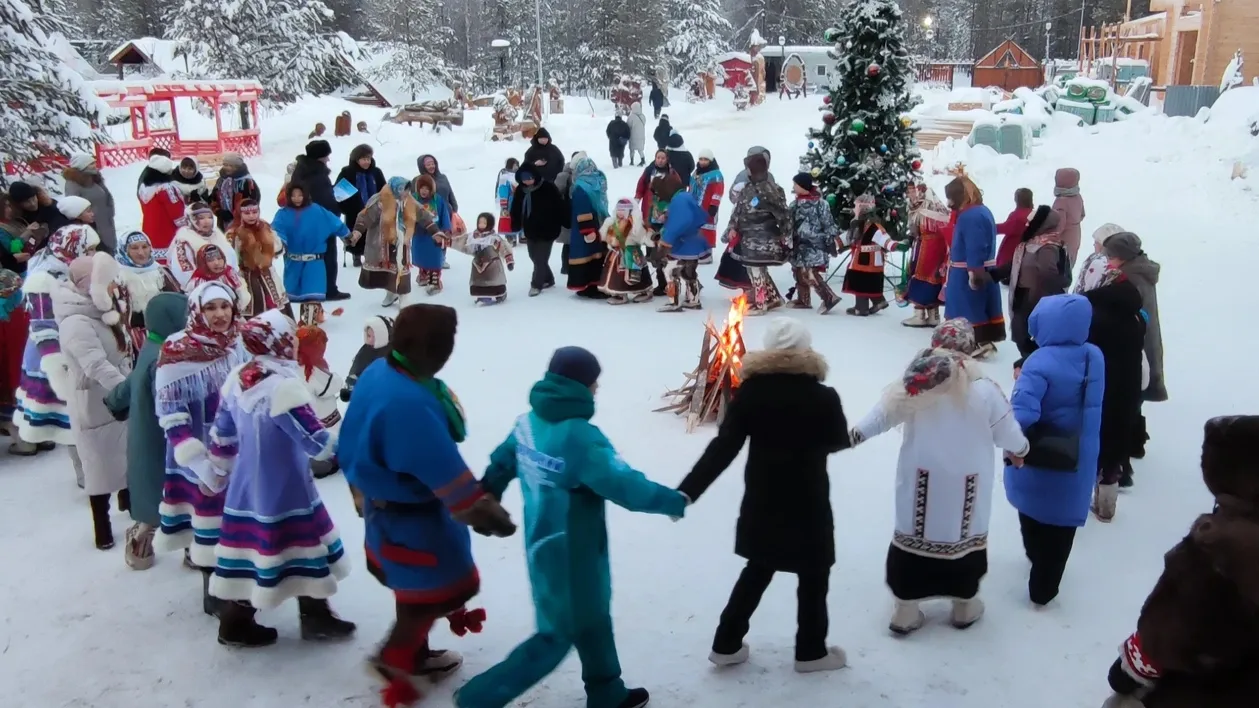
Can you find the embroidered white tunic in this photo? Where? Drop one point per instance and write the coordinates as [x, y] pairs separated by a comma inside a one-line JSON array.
[[325, 387], [947, 466]]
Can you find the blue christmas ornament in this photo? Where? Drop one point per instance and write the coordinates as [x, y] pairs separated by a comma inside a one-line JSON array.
[[883, 148], [890, 188], [810, 144], [840, 160]]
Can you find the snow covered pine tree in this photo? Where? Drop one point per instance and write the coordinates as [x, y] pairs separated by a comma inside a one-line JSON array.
[[48, 108], [697, 34], [864, 145]]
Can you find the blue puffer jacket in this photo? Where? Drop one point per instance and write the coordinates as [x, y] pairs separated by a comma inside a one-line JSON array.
[[1054, 388], [682, 228]]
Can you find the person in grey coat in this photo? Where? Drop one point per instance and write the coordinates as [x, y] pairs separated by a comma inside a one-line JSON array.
[[428, 166], [132, 400], [1124, 250], [638, 134], [83, 179], [564, 183]]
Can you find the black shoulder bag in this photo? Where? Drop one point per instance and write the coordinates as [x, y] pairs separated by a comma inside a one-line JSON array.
[[1056, 450]]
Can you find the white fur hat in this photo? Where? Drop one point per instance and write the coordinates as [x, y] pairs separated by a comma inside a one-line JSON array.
[[706, 154], [1105, 231], [105, 271], [73, 207], [162, 164], [82, 161], [786, 333], [382, 329]]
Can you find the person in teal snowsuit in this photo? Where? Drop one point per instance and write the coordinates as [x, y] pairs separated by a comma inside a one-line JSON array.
[[567, 470]]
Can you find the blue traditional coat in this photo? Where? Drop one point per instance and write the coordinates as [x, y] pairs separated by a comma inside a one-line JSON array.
[[425, 253], [974, 248], [304, 232], [682, 229], [586, 246], [396, 449]]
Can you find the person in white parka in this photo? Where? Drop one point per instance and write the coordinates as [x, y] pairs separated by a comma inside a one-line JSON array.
[[638, 134], [325, 387], [952, 417], [94, 343]]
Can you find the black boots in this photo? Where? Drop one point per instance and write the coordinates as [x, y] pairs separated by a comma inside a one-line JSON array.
[[100, 521], [209, 604], [637, 698], [124, 500], [237, 627], [320, 623]]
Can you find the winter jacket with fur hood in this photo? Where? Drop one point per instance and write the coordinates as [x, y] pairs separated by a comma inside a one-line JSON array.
[[1197, 639], [89, 184], [443, 183], [794, 422]]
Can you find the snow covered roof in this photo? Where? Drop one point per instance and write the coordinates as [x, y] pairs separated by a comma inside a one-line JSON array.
[[158, 53], [741, 56], [775, 50], [61, 47]]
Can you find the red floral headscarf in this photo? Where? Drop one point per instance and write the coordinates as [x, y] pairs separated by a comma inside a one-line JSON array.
[[272, 338], [202, 344]]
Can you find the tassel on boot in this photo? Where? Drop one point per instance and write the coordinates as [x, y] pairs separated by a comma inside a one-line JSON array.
[[101, 527]]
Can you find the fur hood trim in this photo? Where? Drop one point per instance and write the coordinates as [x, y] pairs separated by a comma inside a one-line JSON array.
[[289, 395], [785, 361], [41, 283], [56, 367], [104, 273]]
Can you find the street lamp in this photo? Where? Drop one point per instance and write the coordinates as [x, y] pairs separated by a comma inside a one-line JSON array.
[[504, 47], [926, 28], [782, 65], [1048, 26]]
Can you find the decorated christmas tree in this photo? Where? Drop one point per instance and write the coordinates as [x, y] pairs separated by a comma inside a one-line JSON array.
[[864, 145]]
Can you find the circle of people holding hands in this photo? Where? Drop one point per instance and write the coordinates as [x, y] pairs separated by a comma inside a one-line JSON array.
[[181, 351]]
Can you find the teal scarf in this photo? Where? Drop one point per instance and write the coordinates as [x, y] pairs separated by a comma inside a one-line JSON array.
[[455, 420]]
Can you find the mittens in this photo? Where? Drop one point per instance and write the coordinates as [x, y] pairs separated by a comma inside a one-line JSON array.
[[487, 517]]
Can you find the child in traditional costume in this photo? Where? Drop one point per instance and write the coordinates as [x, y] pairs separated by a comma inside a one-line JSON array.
[[653, 209], [143, 277], [257, 245], [304, 228], [199, 231], [868, 245], [792, 422], [970, 292], [277, 540], [626, 275], [377, 332], [931, 230], [212, 267], [191, 369], [399, 448], [952, 417], [708, 185], [682, 243], [325, 388], [42, 416], [568, 471], [815, 237], [504, 190], [427, 250], [491, 259]]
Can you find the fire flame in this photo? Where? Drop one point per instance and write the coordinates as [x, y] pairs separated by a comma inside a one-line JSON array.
[[730, 346]]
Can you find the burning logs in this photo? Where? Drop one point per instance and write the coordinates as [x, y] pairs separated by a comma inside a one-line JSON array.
[[710, 387]]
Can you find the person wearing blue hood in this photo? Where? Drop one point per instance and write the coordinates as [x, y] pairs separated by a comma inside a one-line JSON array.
[[1057, 402], [568, 472]]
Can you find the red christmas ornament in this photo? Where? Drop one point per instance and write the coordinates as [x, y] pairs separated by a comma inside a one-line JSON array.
[[828, 118], [874, 70], [916, 164], [894, 214], [826, 100]]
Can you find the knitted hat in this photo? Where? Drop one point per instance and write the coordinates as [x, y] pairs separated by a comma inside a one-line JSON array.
[[235, 159], [706, 154], [73, 207], [575, 363], [21, 191], [1124, 245], [955, 335], [1105, 231], [318, 149], [805, 180], [624, 206], [82, 161], [162, 163], [786, 333], [200, 208]]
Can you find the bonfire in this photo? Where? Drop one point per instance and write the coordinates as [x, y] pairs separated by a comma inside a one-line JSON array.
[[709, 388]]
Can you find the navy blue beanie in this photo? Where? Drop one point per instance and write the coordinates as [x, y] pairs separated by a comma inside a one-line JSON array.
[[575, 363]]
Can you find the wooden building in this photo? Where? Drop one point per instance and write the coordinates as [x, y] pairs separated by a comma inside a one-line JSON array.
[[1009, 66], [1191, 42]]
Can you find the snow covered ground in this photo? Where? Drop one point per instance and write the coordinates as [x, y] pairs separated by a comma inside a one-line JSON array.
[[80, 629]]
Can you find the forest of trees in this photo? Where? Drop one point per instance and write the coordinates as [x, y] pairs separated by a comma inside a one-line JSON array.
[[584, 42]]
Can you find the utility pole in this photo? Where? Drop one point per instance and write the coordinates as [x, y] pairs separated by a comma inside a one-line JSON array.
[[537, 17]]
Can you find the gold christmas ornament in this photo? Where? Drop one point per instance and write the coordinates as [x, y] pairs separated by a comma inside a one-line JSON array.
[[815, 172]]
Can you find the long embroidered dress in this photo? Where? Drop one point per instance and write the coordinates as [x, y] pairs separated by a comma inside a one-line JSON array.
[[276, 541], [951, 419], [491, 258], [42, 415], [387, 223], [191, 369], [143, 281], [626, 273], [257, 245], [589, 208], [932, 226], [974, 250]]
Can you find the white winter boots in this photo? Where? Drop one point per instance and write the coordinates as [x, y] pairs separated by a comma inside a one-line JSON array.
[[908, 617], [1105, 499], [923, 317], [834, 660]]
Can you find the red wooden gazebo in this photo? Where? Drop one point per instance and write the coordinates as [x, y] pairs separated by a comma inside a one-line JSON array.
[[138, 95]]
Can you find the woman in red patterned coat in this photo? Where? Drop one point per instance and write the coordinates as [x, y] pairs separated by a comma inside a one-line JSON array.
[[931, 225]]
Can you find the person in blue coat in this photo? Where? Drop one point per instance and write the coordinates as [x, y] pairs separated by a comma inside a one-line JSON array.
[[682, 241], [1058, 395], [568, 470], [304, 228], [428, 253]]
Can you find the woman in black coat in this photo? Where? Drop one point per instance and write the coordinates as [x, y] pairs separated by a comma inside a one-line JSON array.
[[1118, 329], [618, 137], [662, 132], [368, 179], [539, 210], [543, 158], [785, 523]]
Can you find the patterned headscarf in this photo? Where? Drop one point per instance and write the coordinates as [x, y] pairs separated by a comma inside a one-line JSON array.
[[201, 344], [957, 335], [928, 370], [272, 338], [124, 258], [204, 254], [64, 245], [588, 178]]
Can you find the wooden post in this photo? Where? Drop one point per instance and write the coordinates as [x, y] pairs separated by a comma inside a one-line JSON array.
[[174, 118], [218, 123]]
